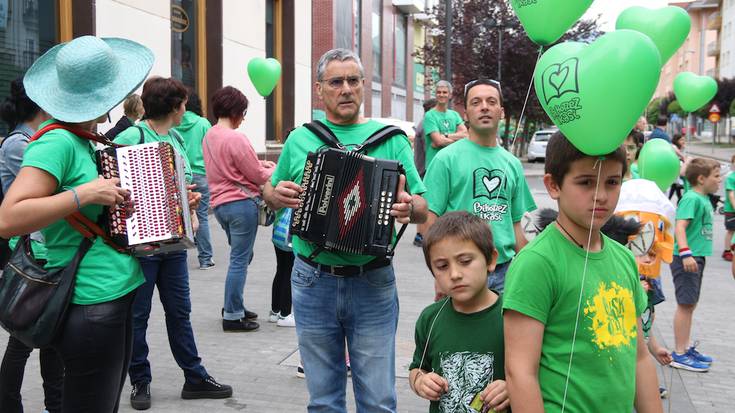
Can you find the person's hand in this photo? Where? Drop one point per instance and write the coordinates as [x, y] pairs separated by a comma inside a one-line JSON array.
[[495, 395], [690, 264], [662, 355], [268, 164], [194, 222], [194, 197], [430, 386], [287, 194], [102, 191], [403, 208]]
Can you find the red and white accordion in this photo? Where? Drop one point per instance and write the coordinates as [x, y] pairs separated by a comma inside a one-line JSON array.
[[157, 219]]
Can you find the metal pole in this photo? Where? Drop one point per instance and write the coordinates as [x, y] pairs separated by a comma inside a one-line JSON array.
[[448, 41]]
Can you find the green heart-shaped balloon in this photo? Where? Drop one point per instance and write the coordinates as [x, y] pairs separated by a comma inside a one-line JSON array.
[[264, 73], [546, 21], [668, 27], [658, 162], [595, 93], [694, 91]]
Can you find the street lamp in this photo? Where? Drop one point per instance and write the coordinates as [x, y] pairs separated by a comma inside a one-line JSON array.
[[498, 24]]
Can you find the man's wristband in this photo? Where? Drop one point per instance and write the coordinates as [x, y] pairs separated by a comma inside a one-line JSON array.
[[685, 252], [76, 196]]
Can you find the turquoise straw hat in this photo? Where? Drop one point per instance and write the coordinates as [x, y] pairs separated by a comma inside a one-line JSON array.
[[83, 79]]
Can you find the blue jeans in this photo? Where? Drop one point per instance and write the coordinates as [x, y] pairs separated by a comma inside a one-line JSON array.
[[169, 273], [202, 238], [361, 309], [496, 279], [239, 219]]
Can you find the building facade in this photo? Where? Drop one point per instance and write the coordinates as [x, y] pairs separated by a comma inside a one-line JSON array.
[[204, 43], [384, 33], [727, 40]]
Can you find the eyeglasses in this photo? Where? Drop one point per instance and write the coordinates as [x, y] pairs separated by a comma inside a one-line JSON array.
[[482, 81], [337, 82]]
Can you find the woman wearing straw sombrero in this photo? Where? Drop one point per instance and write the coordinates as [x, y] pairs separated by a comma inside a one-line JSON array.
[[78, 83]]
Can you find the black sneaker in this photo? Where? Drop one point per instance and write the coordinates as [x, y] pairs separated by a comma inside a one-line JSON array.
[[248, 314], [242, 324], [140, 397], [206, 389]]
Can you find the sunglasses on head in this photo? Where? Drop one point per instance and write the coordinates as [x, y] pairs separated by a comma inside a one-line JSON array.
[[482, 81]]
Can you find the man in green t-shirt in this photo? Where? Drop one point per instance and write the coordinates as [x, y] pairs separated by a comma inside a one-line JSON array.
[[573, 301], [340, 297], [729, 210], [693, 233], [458, 363], [479, 176], [442, 127]]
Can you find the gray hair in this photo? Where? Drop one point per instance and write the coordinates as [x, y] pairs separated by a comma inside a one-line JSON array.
[[444, 83], [339, 55]]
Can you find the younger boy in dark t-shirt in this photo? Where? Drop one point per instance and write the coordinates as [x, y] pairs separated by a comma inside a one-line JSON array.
[[573, 300], [458, 362]]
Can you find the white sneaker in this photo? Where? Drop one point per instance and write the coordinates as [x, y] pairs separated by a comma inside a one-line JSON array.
[[274, 317], [287, 321]]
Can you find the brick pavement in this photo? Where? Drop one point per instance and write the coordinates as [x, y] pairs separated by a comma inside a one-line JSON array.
[[260, 365]]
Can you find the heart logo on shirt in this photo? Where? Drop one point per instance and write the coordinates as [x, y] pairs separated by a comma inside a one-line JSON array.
[[491, 184]]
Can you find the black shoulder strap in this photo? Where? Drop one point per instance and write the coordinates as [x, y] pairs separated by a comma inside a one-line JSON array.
[[178, 138], [380, 136], [324, 133], [142, 138]]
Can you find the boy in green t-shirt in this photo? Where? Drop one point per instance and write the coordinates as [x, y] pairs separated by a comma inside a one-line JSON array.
[[693, 233], [573, 300], [729, 210], [458, 363]]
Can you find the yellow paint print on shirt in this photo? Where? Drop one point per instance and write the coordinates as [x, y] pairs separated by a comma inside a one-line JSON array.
[[613, 316]]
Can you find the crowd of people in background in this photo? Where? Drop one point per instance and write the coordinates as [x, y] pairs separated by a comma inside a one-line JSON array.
[[505, 310]]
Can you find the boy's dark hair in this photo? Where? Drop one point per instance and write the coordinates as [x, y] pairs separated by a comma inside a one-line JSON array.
[[462, 225], [700, 166], [18, 107], [560, 153], [194, 104], [429, 104], [662, 120]]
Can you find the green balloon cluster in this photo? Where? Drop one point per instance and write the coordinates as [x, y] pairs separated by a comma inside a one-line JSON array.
[[658, 162], [264, 73], [668, 27], [693, 91], [545, 21], [595, 93]]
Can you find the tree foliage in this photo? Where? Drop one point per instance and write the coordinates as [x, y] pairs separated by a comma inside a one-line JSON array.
[[475, 38]]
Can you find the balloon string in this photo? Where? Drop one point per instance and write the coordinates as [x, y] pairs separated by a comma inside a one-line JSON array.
[[528, 94], [598, 164]]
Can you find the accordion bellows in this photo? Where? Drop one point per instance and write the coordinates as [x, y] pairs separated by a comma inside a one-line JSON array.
[[346, 202], [159, 219]]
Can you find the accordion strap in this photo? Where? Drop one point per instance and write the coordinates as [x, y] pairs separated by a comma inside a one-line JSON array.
[[96, 137], [322, 132]]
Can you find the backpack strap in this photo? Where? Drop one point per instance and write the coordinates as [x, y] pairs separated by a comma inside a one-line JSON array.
[[142, 137], [325, 134], [380, 136]]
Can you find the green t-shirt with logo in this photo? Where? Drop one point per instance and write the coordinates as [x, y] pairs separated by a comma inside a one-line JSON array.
[[544, 283], [291, 168], [104, 274], [192, 130], [131, 136], [443, 122], [729, 186], [484, 181], [697, 209], [466, 349]]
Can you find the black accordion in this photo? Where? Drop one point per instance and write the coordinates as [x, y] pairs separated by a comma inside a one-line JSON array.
[[159, 218], [346, 202]]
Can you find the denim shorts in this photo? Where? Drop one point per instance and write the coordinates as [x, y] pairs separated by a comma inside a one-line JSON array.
[[687, 284]]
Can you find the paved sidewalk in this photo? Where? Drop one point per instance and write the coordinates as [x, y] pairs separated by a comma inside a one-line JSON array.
[[261, 365]]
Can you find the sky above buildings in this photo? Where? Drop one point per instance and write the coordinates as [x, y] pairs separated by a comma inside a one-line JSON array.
[[610, 9]]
